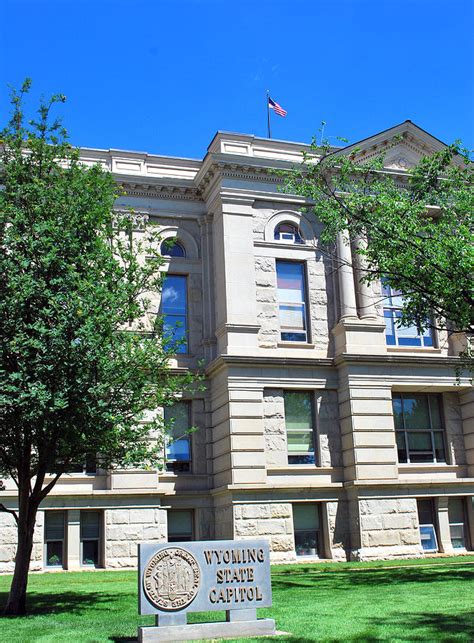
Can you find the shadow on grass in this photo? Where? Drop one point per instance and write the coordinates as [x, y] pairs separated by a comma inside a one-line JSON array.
[[343, 580], [60, 602], [423, 626]]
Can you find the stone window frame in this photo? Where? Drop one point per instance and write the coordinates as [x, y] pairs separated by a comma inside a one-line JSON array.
[[184, 238], [404, 431], [294, 218], [188, 437], [314, 429]]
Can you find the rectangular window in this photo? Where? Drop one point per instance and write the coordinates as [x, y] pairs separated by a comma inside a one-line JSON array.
[[292, 301], [299, 427], [54, 530], [457, 523], [396, 335], [178, 442], [306, 523], [419, 427], [174, 311], [426, 518], [90, 538], [180, 525]]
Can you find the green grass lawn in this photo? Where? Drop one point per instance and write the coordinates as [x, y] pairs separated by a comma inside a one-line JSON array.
[[428, 599]]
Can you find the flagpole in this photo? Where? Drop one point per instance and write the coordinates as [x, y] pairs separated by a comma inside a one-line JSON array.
[[268, 115]]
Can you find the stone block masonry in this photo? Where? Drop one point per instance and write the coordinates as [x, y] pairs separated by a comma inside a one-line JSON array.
[[125, 528]]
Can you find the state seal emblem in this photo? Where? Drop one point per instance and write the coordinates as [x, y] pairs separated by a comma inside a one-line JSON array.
[[171, 579]]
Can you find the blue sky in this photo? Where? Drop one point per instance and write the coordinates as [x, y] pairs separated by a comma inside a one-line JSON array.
[[163, 76]]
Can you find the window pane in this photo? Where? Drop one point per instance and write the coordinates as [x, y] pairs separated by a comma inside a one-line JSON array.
[[389, 328], [172, 248], [293, 337], [292, 317], [300, 442], [298, 411], [305, 516], [290, 281], [306, 543], [301, 459], [90, 524], [415, 409], [397, 411], [174, 295], [90, 552], [401, 446], [54, 553], [439, 446], [178, 415], [428, 538], [419, 441], [174, 310], [456, 510], [180, 524], [54, 525], [435, 408], [458, 540], [178, 450], [425, 511]]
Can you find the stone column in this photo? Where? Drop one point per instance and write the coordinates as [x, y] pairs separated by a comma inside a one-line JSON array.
[[73, 539], [364, 295], [444, 534], [348, 306]]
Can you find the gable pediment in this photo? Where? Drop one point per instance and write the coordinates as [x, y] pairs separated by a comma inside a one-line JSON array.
[[402, 146]]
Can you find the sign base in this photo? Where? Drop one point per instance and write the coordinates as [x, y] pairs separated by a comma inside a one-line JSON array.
[[199, 631]]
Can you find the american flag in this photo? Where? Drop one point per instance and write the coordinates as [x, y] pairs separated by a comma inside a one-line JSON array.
[[278, 109]]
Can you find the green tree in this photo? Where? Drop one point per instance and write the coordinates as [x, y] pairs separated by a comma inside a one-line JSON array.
[[82, 351], [416, 230]]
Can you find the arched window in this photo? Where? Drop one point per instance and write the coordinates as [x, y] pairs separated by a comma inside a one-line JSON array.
[[287, 232], [172, 248]]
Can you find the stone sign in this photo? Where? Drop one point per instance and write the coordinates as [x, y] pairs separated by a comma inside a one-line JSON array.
[[230, 575]]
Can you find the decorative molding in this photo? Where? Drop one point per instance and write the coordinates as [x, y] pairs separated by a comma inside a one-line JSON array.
[[169, 192]]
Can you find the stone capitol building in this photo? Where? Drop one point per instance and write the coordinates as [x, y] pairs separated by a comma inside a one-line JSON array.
[[323, 427]]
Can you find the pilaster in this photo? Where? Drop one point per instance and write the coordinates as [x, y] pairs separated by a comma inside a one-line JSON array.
[[444, 534], [234, 277], [73, 539]]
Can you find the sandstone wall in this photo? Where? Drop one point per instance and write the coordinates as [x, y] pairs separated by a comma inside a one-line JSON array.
[[125, 528], [272, 521], [8, 542], [388, 528]]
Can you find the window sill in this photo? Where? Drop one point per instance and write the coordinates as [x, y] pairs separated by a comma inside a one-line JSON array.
[[414, 349], [295, 345], [428, 466]]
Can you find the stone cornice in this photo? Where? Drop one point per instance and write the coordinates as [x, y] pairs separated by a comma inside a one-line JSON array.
[[161, 190]]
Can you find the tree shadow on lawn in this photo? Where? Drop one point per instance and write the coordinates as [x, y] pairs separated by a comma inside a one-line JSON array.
[[344, 580], [423, 626], [57, 603]]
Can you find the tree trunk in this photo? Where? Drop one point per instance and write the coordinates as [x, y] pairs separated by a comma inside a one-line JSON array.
[[16, 604]]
